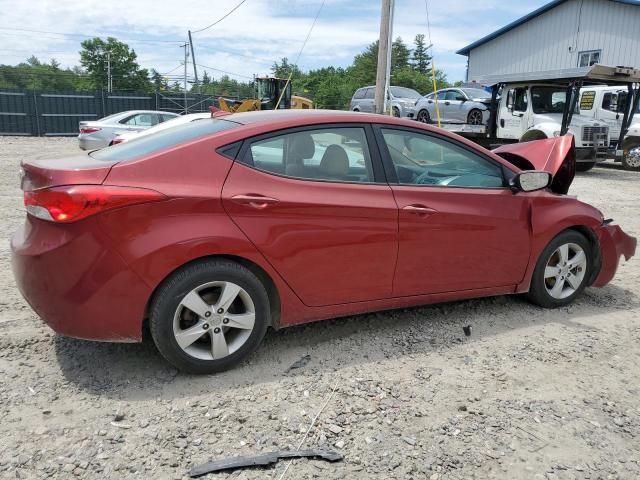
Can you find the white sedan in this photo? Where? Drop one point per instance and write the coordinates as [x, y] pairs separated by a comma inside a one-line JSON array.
[[95, 134], [179, 120]]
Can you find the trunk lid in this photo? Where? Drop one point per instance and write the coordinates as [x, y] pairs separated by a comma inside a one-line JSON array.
[[554, 155], [76, 170]]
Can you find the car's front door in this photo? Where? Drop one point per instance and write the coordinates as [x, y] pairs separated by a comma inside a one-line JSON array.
[[454, 105], [513, 114], [310, 201], [460, 228]]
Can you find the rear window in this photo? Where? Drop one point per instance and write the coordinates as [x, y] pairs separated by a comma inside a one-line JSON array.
[[170, 137]]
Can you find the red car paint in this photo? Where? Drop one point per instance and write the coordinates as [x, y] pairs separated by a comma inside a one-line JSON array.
[[330, 249]]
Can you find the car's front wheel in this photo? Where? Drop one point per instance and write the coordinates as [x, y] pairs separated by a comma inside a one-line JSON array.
[[208, 316], [562, 270], [631, 157]]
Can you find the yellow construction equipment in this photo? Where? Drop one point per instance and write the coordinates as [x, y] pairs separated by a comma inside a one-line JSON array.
[[268, 91]]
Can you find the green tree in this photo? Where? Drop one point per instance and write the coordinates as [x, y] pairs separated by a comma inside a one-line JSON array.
[[421, 61], [400, 54], [160, 83], [125, 71]]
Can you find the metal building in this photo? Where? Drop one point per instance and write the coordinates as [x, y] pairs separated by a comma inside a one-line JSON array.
[[559, 35]]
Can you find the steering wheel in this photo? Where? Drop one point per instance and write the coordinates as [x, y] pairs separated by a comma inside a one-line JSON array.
[[425, 179]]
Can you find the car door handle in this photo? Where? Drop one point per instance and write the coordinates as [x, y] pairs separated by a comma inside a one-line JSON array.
[[447, 103], [419, 210], [255, 201]]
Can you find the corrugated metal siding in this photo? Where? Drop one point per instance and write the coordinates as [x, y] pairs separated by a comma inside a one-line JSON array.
[[544, 42]]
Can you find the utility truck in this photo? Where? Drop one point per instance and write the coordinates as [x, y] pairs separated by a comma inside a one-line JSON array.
[[540, 105]]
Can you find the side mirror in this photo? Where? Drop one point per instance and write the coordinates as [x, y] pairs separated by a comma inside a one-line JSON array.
[[530, 181]]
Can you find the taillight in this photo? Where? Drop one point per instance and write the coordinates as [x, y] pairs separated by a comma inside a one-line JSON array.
[[89, 129], [74, 202], [117, 140]]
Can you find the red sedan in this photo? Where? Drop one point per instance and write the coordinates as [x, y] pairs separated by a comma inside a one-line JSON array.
[[214, 231]]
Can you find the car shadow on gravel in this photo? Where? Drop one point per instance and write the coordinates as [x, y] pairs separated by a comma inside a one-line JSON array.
[[137, 371]]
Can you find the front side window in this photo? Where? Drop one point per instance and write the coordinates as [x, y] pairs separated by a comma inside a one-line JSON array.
[[330, 154], [517, 99], [420, 159], [454, 95]]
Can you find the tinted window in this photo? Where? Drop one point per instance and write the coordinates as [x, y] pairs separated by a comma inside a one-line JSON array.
[[454, 95], [426, 160], [402, 92], [140, 120], [548, 99], [335, 154], [359, 94], [170, 137], [369, 93], [476, 93], [164, 117], [517, 99]]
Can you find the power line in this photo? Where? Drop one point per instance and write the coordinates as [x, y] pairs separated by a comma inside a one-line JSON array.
[[224, 71], [220, 19], [66, 34]]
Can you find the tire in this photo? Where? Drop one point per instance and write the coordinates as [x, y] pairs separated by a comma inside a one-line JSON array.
[[554, 267], [585, 166], [423, 116], [203, 285], [474, 117], [631, 157], [395, 112]]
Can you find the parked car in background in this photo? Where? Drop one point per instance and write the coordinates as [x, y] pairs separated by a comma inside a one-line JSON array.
[[213, 231], [456, 105], [179, 120], [401, 100], [96, 134], [608, 104]]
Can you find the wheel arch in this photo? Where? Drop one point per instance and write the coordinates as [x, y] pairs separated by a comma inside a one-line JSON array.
[[257, 270], [630, 141], [533, 134]]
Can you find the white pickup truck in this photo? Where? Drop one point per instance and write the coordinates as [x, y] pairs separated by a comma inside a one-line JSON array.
[[607, 104], [534, 111]]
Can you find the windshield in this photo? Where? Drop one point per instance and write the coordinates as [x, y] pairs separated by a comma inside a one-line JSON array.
[[476, 93], [548, 99], [161, 140], [402, 92]]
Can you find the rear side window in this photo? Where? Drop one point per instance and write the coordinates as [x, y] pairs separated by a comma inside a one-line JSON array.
[[331, 154], [369, 93], [359, 94], [170, 137]]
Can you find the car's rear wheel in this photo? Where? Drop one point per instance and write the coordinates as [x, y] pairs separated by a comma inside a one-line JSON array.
[[209, 316], [423, 116], [562, 270], [474, 117]]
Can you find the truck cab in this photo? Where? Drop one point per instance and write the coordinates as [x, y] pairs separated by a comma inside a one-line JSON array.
[[535, 111], [608, 104]]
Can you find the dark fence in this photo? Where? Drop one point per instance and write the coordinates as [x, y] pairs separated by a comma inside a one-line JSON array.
[[30, 112]]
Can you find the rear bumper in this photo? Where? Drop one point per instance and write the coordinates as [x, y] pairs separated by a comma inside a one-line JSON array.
[[86, 142], [614, 243], [76, 283]]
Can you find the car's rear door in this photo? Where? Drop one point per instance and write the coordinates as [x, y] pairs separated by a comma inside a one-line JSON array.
[[314, 204], [460, 228]]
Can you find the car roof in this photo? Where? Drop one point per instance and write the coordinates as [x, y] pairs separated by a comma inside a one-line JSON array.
[[303, 116]]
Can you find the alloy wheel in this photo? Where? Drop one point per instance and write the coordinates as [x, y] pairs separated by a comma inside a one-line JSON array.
[[633, 157], [214, 320], [565, 270], [475, 117], [423, 116]]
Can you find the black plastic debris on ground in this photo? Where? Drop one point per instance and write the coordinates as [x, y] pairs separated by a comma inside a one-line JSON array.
[[467, 330], [266, 459], [299, 363]]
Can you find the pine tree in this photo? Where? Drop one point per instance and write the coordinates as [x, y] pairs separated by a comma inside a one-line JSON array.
[[421, 61]]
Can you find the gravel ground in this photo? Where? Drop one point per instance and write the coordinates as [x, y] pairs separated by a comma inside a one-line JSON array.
[[531, 393]]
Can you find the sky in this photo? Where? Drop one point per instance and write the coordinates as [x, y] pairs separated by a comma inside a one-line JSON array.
[[249, 40]]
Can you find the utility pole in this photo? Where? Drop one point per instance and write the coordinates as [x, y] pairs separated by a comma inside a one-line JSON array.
[[109, 81], [186, 54], [384, 55], [193, 61]]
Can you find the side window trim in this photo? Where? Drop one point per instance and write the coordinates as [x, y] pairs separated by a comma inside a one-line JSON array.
[[389, 168], [376, 161]]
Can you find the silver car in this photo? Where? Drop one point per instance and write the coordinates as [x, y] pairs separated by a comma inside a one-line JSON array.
[[96, 134], [401, 100], [456, 105]]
